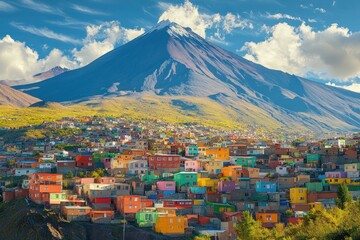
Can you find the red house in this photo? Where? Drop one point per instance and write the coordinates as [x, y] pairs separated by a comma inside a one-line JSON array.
[[160, 161], [180, 204], [84, 161]]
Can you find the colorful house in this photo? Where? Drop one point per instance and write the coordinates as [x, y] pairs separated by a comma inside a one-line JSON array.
[[214, 166], [220, 208], [164, 161], [210, 184], [298, 195], [266, 187], [84, 161], [267, 217], [166, 187], [76, 213], [246, 161], [218, 153], [130, 204], [313, 159], [314, 186], [168, 225], [137, 166], [42, 184], [234, 172], [193, 166], [192, 151], [146, 217], [184, 180], [226, 186]]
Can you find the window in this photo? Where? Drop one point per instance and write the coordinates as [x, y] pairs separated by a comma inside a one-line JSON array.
[[268, 217], [300, 190], [171, 220]]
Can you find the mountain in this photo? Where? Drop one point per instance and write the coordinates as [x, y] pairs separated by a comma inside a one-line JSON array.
[[170, 60], [15, 98], [37, 77], [50, 73]]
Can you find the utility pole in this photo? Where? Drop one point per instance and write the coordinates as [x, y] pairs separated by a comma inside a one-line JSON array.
[[124, 226]]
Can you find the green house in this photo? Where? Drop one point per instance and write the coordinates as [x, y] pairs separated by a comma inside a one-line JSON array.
[[314, 186], [56, 198], [149, 178], [313, 159], [220, 208], [248, 161], [183, 180], [146, 218], [99, 155]]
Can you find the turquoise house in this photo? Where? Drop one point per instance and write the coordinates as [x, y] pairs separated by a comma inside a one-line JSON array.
[[246, 161]]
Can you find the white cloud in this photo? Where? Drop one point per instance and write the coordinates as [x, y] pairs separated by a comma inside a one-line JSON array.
[[188, 15], [18, 61], [320, 10], [103, 38], [6, 7], [45, 32], [355, 87], [87, 10], [41, 7], [331, 53], [282, 16], [311, 20]]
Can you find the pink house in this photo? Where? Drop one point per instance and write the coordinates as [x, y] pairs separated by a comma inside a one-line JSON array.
[[165, 185], [86, 180], [106, 162], [193, 166]]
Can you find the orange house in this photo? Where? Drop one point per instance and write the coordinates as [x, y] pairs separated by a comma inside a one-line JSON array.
[[218, 153], [171, 225], [128, 204], [42, 184], [232, 171], [268, 217]]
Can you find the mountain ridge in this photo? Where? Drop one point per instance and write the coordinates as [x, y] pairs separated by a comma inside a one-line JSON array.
[[171, 60]]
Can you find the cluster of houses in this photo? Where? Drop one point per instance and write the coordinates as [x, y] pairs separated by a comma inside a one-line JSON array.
[[178, 181]]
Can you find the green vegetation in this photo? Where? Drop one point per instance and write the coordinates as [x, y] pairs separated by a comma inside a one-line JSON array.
[[145, 106], [344, 196], [330, 224]]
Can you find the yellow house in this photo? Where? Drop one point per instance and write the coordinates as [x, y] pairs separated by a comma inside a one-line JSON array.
[[214, 166], [316, 205], [171, 224], [210, 184], [218, 153], [338, 180], [298, 195]]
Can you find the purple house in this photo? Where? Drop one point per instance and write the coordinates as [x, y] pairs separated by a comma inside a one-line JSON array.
[[226, 186], [336, 174]]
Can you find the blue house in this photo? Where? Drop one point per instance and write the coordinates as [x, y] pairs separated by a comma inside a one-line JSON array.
[[266, 187]]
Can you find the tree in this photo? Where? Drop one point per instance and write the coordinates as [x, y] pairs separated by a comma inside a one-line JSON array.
[[344, 196], [81, 174], [249, 229], [70, 175]]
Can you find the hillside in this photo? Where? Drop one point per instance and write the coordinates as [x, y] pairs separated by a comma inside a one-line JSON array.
[[20, 221], [171, 61], [15, 98]]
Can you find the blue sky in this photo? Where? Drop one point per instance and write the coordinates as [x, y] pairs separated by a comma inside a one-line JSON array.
[[314, 39]]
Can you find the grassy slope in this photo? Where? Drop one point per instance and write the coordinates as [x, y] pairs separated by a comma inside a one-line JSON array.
[[202, 110]]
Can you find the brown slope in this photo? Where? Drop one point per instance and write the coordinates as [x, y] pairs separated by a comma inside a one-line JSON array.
[[15, 98]]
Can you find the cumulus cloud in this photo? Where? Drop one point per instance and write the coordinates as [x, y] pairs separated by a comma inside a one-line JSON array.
[[103, 38], [18, 61], [331, 53], [355, 87], [188, 15]]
